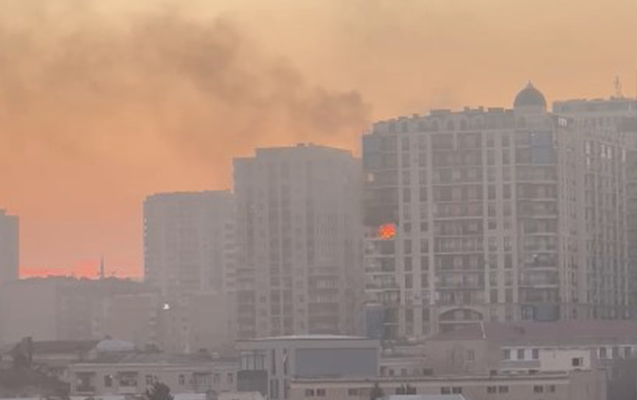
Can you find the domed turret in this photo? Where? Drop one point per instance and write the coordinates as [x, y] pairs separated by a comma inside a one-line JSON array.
[[530, 97]]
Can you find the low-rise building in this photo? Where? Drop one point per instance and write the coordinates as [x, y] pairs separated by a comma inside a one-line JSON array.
[[491, 348], [50, 357], [574, 385], [269, 364], [132, 373]]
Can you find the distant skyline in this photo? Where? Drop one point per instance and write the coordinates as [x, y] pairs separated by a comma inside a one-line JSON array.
[[104, 104]]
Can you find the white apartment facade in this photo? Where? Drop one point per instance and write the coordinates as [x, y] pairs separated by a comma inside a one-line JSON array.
[[299, 241], [476, 216]]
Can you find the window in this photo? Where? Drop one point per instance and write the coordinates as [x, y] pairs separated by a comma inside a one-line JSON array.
[[577, 362], [216, 378], [492, 389], [309, 392], [520, 354], [445, 390], [456, 390], [182, 380], [551, 388], [602, 352], [353, 392], [503, 389], [230, 377], [506, 354], [128, 379], [615, 352], [320, 392], [407, 246], [406, 195], [471, 355], [538, 389], [506, 191], [491, 192], [408, 264], [535, 354], [108, 380]]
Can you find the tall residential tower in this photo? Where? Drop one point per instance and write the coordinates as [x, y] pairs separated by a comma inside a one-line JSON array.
[[299, 230], [189, 242], [483, 215]]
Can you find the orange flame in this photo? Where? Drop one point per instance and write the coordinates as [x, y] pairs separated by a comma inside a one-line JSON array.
[[386, 231]]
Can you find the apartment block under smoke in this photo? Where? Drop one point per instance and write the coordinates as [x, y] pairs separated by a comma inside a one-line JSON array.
[[299, 230], [494, 214], [189, 242]]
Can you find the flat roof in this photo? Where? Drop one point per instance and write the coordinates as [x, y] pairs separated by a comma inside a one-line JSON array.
[[307, 337]]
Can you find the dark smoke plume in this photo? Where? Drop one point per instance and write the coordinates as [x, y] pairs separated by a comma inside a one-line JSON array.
[[75, 83]]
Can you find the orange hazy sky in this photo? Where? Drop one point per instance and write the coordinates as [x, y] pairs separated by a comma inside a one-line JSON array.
[[103, 103]]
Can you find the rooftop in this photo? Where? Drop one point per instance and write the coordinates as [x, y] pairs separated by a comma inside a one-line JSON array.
[[56, 346], [152, 358], [307, 337]]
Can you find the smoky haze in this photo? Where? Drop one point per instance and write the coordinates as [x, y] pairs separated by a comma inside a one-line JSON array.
[[155, 92], [104, 102]]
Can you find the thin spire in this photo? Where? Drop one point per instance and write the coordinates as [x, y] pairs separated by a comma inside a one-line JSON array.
[[102, 267]]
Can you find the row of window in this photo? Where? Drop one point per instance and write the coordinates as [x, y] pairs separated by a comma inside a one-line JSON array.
[[520, 354], [445, 390], [602, 352]]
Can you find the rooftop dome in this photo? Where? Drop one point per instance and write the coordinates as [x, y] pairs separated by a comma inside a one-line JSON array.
[[529, 96]]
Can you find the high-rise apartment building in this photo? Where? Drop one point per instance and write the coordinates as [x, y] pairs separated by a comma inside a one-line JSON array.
[[9, 247], [299, 231], [492, 215], [608, 131], [189, 242]]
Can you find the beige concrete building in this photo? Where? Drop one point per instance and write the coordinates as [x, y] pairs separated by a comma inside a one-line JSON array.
[[578, 385], [609, 128], [607, 137], [9, 247], [299, 231], [493, 215]]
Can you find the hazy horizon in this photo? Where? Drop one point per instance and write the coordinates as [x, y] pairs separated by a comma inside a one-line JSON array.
[[102, 105]]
